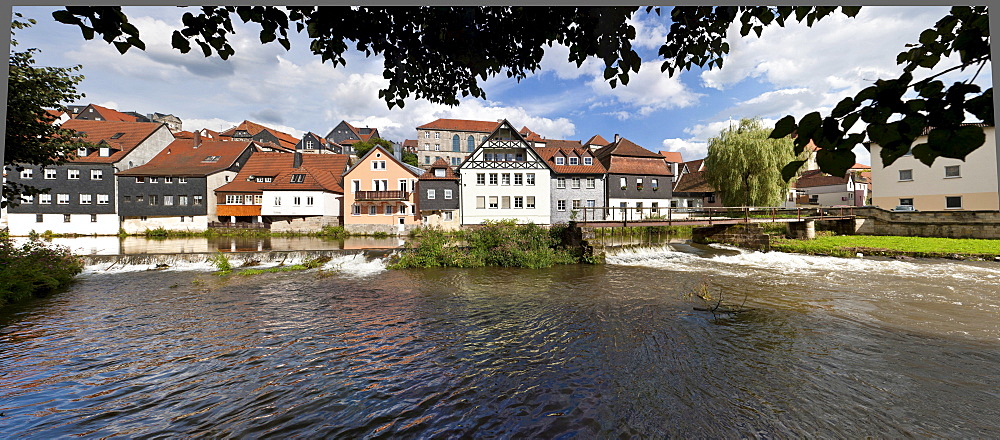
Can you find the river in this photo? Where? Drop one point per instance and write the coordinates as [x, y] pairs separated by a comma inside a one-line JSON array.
[[828, 348]]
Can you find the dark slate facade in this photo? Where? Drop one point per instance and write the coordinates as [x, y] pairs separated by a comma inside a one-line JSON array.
[[74, 188], [149, 198], [631, 190], [342, 132], [438, 203]]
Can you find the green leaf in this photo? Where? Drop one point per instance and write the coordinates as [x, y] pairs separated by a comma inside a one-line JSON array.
[[835, 162], [845, 106], [928, 36], [179, 42], [850, 11], [924, 154], [809, 124], [784, 127], [267, 36], [791, 169], [849, 121], [122, 46]]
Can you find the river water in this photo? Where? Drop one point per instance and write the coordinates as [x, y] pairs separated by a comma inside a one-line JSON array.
[[827, 347]]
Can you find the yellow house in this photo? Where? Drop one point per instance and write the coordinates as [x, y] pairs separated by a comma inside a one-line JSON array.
[[379, 194]]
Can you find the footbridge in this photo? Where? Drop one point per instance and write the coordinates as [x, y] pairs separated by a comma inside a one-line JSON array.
[[607, 217]]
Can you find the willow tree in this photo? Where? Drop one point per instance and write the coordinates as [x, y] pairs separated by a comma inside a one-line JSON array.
[[744, 165]]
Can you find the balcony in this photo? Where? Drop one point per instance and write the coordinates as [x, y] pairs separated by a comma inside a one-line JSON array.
[[376, 196]]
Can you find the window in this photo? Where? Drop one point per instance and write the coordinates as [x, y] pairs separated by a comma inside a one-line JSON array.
[[198, 200], [66, 218], [85, 199], [297, 178], [26, 173], [379, 165], [402, 209], [505, 202], [437, 135], [168, 180], [560, 205], [39, 218], [430, 194], [588, 161], [427, 160], [182, 200], [813, 198], [50, 173], [380, 185], [27, 198], [81, 152], [143, 218], [277, 201], [530, 181], [140, 179], [182, 180], [480, 178], [62, 199], [574, 160], [139, 199], [211, 159], [529, 202], [638, 207], [93, 218], [480, 202], [505, 179], [258, 199], [560, 182], [455, 161], [488, 156], [456, 143], [439, 172], [437, 147], [105, 152], [470, 144], [576, 183], [638, 184], [309, 201], [560, 160], [168, 200], [624, 182], [494, 202], [447, 216], [152, 179], [117, 135], [373, 210], [234, 199], [355, 209], [905, 175], [655, 183], [953, 202], [73, 174], [154, 199], [952, 171], [96, 174], [518, 179], [518, 202], [447, 194], [906, 202], [493, 178], [296, 201], [591, 183], [427, 135], [45, 199], [402, 185], [388, 210], [591, 203], [355, 186]]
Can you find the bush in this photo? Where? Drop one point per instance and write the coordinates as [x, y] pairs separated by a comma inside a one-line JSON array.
[[35, 268], [222, 263], [156, 233], [497, 243], [380, 234], [333, 232]]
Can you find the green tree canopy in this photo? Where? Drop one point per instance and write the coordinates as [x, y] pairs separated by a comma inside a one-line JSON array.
[[411, 158], [31, 138], [744, 165], [423, 61], [361, 148]]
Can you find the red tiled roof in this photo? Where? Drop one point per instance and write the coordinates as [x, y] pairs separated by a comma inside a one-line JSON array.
[[286, 140], [860, 166], [560, 143], [672, 156], [181, 158], [411, 143], [597, 140], [320, 175], [274, 164], [133, 134], [112, 115], [693, 182], [549, 155], [695, 165], [460, 125], [814, 178], [439, 164], [638, 165], [54, 113], [625, 147]]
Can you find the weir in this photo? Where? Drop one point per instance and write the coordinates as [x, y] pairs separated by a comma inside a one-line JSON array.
[[235, 258]]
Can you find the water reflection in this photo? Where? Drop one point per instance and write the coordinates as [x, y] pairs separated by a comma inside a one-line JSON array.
[[142, 245]]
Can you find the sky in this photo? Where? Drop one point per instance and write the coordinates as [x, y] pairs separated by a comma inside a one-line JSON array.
[[791, 70]]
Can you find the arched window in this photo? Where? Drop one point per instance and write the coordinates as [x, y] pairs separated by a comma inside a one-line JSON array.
[[471, 143], [455, 143]]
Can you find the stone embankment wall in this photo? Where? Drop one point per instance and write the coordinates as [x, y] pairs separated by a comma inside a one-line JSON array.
[[371, 229], [742, 235], [305, 224], [948, 224]]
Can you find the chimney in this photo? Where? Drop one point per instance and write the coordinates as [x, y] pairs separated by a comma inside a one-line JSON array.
[[197, 138], [673, 168], [397, 151], [617, 137], [297, 161]]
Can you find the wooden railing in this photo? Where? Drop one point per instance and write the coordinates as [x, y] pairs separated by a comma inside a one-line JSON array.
[[706, 215], [381, 195], [239, 225]]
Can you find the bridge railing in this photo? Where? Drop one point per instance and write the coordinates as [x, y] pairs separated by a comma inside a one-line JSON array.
[[669, 215]]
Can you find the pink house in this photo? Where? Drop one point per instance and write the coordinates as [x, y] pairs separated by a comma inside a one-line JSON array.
[[380, 194]]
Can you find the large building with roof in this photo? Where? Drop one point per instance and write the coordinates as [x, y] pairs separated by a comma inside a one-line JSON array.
[[451, 140], [175, 190], [380, 194], [265, 137], [343, 137], [639, 181], [83, 192], [439, 201], [577, 181]]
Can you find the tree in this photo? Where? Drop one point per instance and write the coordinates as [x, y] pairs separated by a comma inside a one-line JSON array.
[[361, 148], [31, 138], [422, 59], [744, 165], [411, 158]]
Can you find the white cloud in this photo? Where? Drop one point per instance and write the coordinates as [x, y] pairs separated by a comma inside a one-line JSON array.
[[556, 60], [689, 150], [647, 91], [650, 30]]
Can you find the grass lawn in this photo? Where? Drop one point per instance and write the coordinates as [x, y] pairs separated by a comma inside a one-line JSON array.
[[849, 245]]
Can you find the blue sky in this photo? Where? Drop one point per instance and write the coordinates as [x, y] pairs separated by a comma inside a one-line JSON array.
[[792, 70]]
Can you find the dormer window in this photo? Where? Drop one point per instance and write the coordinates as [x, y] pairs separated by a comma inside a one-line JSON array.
[[263, 179], [574, 161], [560, 160], [309, 144], [439, 172], [298, 178], [105, 151], [81, 152], [211, 159], [588, 161]]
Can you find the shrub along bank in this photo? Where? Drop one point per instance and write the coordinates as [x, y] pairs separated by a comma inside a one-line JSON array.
[[928, 247], [35, 268], [496, 243]]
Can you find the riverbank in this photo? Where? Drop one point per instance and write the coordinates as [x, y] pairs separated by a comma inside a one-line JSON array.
[[34, 268], [892, 246]]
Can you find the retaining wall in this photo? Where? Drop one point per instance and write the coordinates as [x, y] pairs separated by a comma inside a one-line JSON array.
[[742, 235], [948, 224]]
